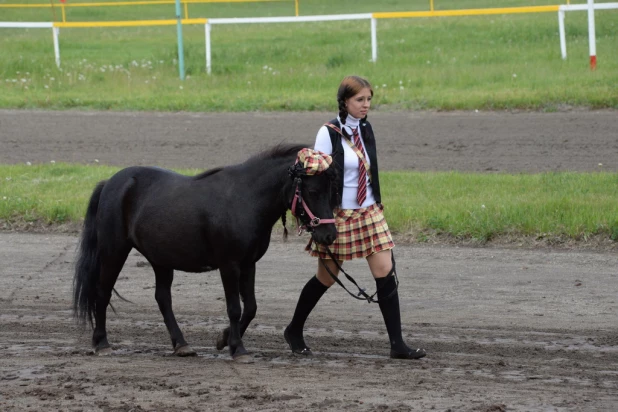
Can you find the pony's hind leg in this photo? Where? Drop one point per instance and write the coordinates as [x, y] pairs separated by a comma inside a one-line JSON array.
[[247, 293], [110, 269], [163, 296]]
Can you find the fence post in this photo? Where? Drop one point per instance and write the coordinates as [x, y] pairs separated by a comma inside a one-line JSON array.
[[181, 51], [592, 36], [208, 57], [374, 39], [563, 49], [55, 32]]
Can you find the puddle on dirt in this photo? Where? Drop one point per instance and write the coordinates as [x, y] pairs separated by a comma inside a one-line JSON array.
[[26, 374]]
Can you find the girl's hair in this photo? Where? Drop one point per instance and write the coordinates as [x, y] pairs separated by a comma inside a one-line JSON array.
[[350, 86]]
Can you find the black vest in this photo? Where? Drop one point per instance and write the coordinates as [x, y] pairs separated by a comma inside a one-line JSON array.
[[337, 155]]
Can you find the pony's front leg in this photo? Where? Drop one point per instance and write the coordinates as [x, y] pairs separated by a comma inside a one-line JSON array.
[[247, 292], [230, 276]]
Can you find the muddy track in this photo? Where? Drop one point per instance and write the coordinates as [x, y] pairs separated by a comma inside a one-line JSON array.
[[505, 329]]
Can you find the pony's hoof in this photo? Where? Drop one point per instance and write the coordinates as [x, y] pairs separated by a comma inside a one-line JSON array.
[[222, 340], [410, 354], [103, 351], [244, 358], [184, 351]]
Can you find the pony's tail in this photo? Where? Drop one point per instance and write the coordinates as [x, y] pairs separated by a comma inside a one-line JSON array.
[[88, 265]]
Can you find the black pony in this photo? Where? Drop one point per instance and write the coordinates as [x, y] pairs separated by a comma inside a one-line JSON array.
[[220, 219]]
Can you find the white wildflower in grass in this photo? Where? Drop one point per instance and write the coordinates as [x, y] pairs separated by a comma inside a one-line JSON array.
[[3, 197], [147, 81], [384, 85], [514, 75], [52, 79], [600, 164], [52, 162], [46, 86], [96, 160], [24, 80], [263, 68], [400, 87], [180, 87], [482, 206], [400, 82], [155, 77], [28, 164], [428, 62]]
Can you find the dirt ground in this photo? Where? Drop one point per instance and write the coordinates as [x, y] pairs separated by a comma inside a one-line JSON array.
[[505, 329]]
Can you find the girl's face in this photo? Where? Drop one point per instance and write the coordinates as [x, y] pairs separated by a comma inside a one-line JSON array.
[[358, 105]]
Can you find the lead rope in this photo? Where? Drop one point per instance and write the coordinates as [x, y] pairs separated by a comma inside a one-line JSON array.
[[361, 291]]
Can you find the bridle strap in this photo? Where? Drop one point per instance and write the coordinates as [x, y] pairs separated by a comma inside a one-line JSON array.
[[314, 221], [361, 295]]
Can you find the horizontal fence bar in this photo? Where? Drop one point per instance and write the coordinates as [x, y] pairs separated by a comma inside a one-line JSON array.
[[290, 19], [135, 23], [134, 3], [26, 25], [584, 7], [466, 12]]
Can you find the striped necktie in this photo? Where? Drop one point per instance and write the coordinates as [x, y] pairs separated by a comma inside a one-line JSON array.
[[361, 195]]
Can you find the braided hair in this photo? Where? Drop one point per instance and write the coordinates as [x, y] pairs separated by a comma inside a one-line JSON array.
[[349, 87]]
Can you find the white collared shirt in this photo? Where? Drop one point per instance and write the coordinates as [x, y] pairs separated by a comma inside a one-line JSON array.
[[350, 164]]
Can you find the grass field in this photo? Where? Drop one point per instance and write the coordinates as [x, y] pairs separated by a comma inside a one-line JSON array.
[[489, 62], [462, 205], [486, 62]]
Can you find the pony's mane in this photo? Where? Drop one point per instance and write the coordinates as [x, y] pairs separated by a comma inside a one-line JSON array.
[[278, 151], [281, 150], [207, 173]]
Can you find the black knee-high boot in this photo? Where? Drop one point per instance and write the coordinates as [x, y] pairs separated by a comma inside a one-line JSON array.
[[388, 300], [309, 297]]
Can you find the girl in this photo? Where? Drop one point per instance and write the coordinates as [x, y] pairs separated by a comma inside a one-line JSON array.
[[362, 229]]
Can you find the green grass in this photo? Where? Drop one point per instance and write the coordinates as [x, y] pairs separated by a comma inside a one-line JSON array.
[[489, 62], [462, 205]]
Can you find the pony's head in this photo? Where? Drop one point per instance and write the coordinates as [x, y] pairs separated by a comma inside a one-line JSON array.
[[314, 180]]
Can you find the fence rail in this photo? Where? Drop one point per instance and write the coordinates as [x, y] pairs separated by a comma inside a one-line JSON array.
[[184, 3], [373, 17]]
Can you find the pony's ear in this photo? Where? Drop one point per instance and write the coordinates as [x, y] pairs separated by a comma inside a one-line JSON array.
[[331, 172], [296, 170]]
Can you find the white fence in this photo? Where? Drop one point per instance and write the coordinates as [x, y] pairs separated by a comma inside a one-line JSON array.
[[580, 7], [303, 19]]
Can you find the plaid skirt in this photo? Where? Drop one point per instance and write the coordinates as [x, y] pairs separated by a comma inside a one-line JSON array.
[[360, 233]]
